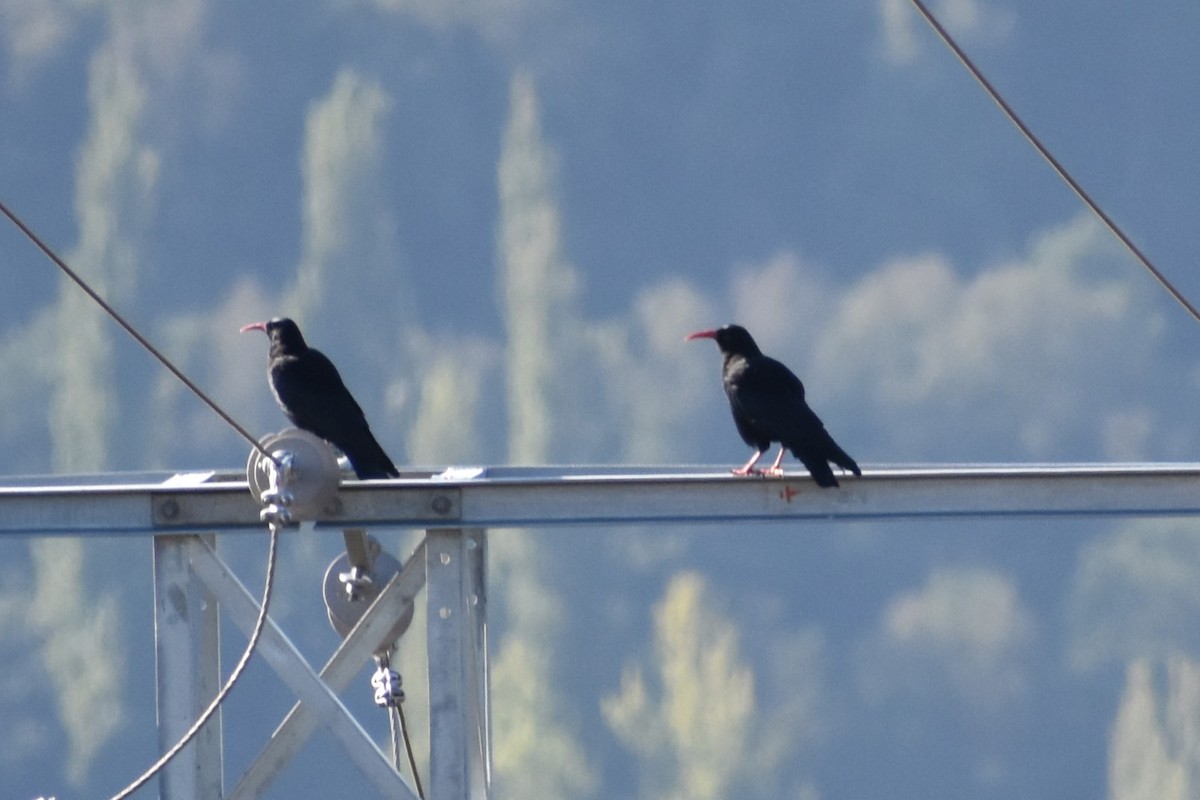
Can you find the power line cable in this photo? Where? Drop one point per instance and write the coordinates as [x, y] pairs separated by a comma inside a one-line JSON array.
[[390, 696], [142, 340], [1051, 160], [276, 514], [275, 525], [255, 635], [412, 759]]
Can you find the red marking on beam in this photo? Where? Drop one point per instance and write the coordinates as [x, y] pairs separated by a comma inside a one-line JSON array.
[[787, 493]]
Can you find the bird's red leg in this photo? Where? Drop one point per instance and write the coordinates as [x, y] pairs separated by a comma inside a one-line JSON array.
[[749, 469], [775, 468]]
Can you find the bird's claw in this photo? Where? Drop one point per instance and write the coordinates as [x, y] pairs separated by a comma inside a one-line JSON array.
[[753, 471]]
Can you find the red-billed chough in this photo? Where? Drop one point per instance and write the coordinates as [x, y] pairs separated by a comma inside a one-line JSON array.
[[311, 393], [767, 400]]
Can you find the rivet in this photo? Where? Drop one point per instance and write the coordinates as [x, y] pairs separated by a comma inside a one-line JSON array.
[[169, 509], [441, 504]]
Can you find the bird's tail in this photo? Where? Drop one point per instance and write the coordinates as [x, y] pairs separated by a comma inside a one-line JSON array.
[[818, 467], [817, 455], [369, 461], [840, 457]]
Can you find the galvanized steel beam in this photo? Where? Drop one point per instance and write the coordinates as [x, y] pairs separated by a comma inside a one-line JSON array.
[[551, 496], [187, 672]]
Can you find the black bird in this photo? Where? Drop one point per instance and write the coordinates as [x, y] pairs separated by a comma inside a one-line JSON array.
[[767, 400], [310, 391]]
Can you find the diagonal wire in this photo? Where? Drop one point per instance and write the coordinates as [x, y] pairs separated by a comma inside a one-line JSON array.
[[1051, 160], [412, 759], [120, 320], [230, 682], [259, 624]]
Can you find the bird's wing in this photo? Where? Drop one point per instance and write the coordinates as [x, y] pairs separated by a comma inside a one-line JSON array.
[[770, 398], [314, 396]]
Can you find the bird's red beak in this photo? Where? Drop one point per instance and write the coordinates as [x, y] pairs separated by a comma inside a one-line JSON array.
[[254, 326], [701, 335]]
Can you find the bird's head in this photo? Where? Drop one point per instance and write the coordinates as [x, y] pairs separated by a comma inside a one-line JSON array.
[[285, 335], [734, 340]]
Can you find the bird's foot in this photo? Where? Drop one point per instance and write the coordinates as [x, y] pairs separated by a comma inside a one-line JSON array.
[[775, 472], [747, 471]]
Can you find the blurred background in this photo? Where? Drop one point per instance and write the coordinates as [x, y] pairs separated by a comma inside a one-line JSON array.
[[499, 219]]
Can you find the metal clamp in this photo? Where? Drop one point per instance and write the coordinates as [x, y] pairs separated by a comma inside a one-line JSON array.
[[302, 475], [357, 581], [350, 589], [387, 683], [277, 497]]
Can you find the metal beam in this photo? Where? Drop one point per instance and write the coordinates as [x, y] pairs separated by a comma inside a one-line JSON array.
[[479, 756], [459, 751], [552, 496], [446, 611], [187, 672]]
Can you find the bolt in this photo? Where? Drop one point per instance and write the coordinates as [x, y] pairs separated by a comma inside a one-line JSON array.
[[441, 504], [169, 509]]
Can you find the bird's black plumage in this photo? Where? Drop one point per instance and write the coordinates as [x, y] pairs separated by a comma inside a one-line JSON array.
[[767, 400], [311, 393]]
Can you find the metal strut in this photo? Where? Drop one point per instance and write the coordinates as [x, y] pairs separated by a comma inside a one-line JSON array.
[[202, 774]]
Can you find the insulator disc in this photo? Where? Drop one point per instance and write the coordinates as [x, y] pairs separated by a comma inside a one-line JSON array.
[[345, 612], [315, 473]]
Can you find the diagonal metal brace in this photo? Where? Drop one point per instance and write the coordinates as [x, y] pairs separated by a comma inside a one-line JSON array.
[[283, 657], [343, 666]]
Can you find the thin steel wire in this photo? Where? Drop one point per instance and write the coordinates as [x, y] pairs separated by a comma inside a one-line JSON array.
[[398, 728], [273, 548], [1032, 138], [120, 320], [191, 733], [412, 759], [260, 623], [394, 730]]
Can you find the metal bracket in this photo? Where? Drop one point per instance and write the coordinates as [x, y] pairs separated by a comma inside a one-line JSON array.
[[312, 479], [350, 591]]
